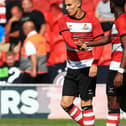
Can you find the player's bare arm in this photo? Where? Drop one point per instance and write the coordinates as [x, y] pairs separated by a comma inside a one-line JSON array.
[[118, 81], [103, 41]]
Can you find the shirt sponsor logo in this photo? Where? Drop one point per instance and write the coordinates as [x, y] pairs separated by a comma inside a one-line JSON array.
[[79, 27]]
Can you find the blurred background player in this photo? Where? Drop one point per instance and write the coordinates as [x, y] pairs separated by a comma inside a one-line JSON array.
[[79, 25], [116, 84]]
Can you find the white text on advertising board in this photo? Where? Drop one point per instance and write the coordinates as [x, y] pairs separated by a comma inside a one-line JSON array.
[[16, 103]]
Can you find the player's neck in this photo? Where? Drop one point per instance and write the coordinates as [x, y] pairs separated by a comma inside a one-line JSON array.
[[80, 13], [118, 12]]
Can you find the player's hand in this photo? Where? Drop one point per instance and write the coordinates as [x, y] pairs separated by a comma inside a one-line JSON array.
[[93, 71], [33, 74], [14, 18], [79, 43], [84, 46], [118, 81]]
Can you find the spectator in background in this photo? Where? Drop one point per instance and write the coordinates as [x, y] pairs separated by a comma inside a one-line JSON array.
[[34, 15], [103, 13], [9, 5], [33, 55], [12, 28], [9, 71]]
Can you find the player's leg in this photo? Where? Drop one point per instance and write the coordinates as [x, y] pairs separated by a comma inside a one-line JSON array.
[[87, 91], [113, 111], [121, 92], [70, 89], [113, 105], [73, 110], [88, 114]]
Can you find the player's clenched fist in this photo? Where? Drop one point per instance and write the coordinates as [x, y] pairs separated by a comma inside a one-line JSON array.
[[81, 45]]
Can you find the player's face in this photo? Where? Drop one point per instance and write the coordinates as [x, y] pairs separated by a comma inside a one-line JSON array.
[[72, 7]]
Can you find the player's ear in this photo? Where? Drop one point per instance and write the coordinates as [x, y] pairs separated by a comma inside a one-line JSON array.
[[78, 4]]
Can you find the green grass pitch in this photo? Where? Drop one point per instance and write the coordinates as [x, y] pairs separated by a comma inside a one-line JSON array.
[[47, 122]]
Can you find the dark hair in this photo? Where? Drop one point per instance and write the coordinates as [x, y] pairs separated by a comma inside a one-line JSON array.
[[64, 7], [18, 6], [120, 3]]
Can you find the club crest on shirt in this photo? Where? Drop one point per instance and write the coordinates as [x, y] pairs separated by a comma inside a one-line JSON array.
[[85, 27]]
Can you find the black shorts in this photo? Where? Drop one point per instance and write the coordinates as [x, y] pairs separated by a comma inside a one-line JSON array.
[[111, 89], [77, 82]]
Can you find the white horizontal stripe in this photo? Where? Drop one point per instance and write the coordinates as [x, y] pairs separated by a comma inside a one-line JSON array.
[[2, 20], [114, 29], [114, 65], [110, 124], [117, 47], [112, 117], [79, 64], [75, 110], [79, 27], [89, 122], [2, 10], [78, 117], [88, 114]]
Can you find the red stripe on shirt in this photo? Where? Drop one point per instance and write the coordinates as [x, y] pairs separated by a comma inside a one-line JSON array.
[[116, 56], [77, 56]]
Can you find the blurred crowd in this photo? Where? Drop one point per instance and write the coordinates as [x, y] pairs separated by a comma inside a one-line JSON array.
[[37, 61], [22, 21]]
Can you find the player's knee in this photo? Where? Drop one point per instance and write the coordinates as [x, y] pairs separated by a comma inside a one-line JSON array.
[[65, 103]]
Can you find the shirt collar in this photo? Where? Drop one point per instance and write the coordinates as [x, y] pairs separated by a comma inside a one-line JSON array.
[[32, 33]]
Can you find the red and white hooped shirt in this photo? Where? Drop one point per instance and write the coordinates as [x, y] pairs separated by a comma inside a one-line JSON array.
[[118, 30], [87, 29]]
